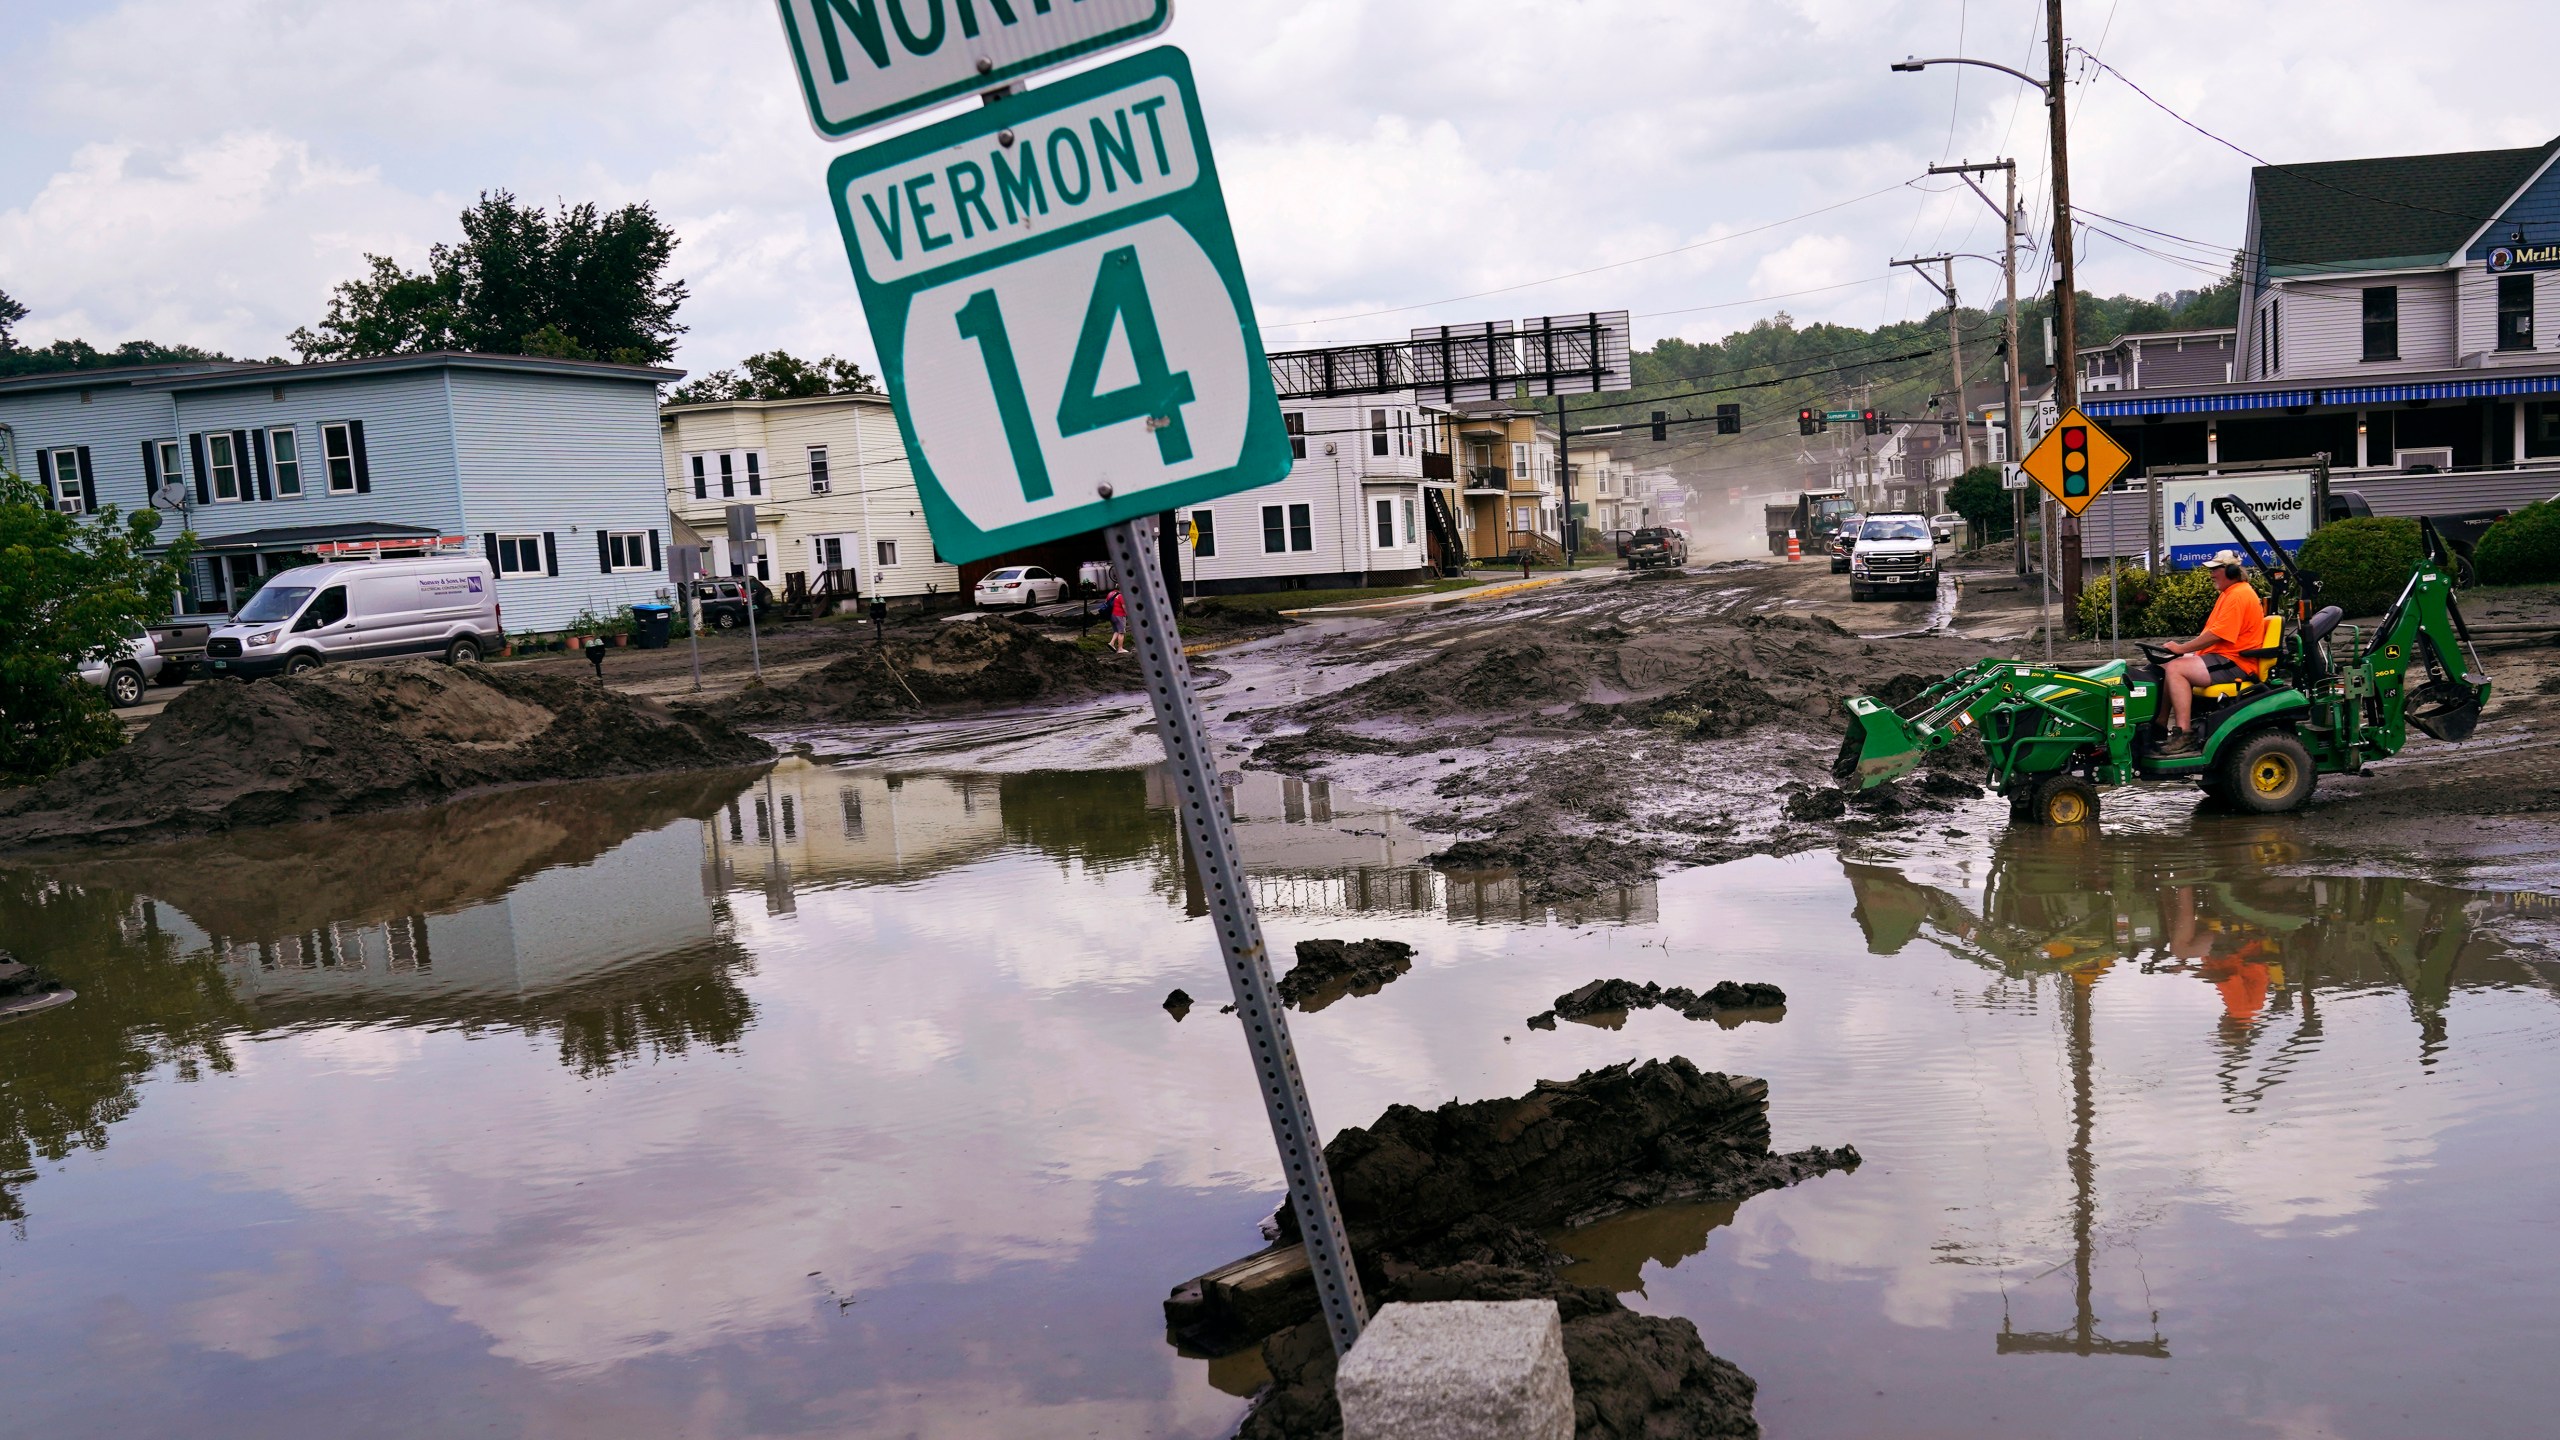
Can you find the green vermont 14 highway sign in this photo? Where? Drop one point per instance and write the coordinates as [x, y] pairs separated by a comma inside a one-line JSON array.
[[865, 62], [1054, 293]]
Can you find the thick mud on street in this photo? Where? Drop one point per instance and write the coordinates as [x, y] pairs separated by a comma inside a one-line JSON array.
[[842, 1100]]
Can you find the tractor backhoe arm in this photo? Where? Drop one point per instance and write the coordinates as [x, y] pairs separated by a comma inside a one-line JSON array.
[[2421, 664], [1887, 742]]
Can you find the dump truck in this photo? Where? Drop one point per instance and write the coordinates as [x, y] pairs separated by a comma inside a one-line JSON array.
[[1814, 516], [2334, 698]]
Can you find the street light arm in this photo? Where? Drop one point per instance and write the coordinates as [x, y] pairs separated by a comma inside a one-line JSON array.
[[1915, 65]]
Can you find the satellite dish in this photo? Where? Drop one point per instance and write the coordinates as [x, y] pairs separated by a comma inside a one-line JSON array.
[[171, 496]]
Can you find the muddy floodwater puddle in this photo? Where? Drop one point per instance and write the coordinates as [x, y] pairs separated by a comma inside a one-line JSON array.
[[840, 1101]]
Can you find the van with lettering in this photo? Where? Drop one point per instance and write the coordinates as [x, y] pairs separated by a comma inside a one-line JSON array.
[[360, 610]]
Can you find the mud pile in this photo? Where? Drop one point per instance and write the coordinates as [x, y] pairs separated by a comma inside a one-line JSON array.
[[1635, 1377], [353, 739], [962, 664], [1617, 997], [1477, 1183], [1705, 676], [1327, 970]]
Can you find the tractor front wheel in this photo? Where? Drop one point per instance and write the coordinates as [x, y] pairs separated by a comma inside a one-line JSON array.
[[2063, 800], [2268, 774]]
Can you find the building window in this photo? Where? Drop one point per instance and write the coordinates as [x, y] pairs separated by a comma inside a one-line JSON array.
[[2382, 322], [830, 552], [1204, 525], [1408, 519], [1386, 509], [1377, 432], [62, 474], [338, 457], [173, 464], [626, 551], [728, 477], [2515, 312], [1302, 528], [1295, 423], [1275, 530], [286, 450], [222, 464], [701, 483], [520, 555], [887, 553], [819, 484], [1404, 432], [755, 473]]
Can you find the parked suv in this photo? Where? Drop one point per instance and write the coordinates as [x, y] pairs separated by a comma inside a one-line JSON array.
[[1657, 545], [126, 673], [724, 602], [1844, 542], [1894, 552]]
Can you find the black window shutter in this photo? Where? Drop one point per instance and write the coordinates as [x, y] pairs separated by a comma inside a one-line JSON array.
[[654, 562], [150, 471], [195, 452], [604, 553], [364, 468], [550, 554], [88, 484], [253, 443], [490, 540]]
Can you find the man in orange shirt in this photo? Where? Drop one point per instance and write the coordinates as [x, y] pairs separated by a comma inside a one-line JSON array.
[[2238, 622]]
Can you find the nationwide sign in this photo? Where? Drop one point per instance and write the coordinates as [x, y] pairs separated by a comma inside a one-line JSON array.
[[2503, 258], [1059, 312], [864, 62], [2283, 502]]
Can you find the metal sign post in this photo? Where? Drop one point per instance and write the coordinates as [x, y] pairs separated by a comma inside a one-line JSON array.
[[1212, 837]]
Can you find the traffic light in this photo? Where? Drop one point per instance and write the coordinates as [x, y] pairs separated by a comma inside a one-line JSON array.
[[1869, 416], [1729, 419], [2075, 461], [1804, 422], [1661, 429]]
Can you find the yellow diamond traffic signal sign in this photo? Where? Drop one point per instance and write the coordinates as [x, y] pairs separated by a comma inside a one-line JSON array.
[[2075, 460]]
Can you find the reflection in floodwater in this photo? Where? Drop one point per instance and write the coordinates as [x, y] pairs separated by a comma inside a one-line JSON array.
[[1306, 850], [2225, 904], [573, 912]]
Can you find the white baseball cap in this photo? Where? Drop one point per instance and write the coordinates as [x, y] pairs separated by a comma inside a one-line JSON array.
[[2222, 558]]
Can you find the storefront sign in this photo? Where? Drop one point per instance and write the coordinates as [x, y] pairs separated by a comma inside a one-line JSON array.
[[2283, 502], [2503, 258]]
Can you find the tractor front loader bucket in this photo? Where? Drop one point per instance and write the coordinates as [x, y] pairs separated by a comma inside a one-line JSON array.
[[1878, 749]]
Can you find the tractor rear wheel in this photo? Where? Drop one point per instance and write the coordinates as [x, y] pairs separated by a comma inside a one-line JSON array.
[[2063, 800], [2268, 774]]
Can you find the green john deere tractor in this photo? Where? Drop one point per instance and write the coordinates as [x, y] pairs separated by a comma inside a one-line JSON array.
[[2334, 698]]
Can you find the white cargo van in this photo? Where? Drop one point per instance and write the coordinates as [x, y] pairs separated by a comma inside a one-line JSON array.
[[361, 610]]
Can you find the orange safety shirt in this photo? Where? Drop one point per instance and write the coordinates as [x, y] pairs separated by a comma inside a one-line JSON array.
[[2238, 622]]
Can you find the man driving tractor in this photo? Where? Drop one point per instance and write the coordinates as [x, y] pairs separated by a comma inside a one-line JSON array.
[[2238, 623]]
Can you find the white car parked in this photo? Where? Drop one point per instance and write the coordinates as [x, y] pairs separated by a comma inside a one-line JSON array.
[[125, 676], [1020, 585]]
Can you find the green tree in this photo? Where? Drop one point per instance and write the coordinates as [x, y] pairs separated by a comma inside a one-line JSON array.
[[1985, 506], [576, 283], [11, 312], [778, 375], [71, 586]]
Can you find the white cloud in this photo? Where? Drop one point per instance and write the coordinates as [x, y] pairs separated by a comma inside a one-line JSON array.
[[224, 161]]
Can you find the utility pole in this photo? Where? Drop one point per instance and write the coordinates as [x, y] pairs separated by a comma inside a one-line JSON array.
[[1955, 347], [2016, 423], [2066, 302], [1564, 474]]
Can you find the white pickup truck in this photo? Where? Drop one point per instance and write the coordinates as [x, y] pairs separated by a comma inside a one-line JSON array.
[[1895, 552]]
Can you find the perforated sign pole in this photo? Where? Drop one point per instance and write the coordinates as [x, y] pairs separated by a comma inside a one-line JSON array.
[[1212, 837]]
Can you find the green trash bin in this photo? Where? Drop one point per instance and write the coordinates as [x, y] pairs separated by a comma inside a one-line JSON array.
[[651, 625]]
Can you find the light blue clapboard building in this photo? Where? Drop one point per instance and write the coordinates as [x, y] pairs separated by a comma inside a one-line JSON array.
[[550, 468]]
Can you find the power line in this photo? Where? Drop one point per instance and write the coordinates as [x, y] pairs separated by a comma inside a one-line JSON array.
[[1596, 269]]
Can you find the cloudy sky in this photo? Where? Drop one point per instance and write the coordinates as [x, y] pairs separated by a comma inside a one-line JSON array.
[[204, 170]]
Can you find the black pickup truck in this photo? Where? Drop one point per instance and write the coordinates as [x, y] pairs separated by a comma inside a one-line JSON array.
[[1657, 545]]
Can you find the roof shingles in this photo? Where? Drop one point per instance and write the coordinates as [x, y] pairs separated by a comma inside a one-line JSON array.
[[2386, 212]]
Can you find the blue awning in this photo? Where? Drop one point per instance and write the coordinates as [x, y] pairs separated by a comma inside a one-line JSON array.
[[2470, 388]]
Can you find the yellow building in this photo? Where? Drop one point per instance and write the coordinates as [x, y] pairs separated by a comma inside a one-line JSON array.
[[1509, 497]]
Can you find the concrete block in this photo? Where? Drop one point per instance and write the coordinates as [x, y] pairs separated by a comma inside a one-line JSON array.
[[1458, 1370]]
